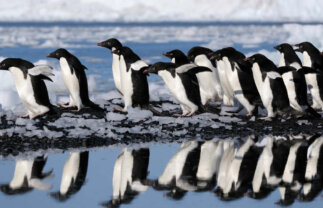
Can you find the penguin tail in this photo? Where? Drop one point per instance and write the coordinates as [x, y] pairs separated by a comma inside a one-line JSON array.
[[94, 106], [311, 112]]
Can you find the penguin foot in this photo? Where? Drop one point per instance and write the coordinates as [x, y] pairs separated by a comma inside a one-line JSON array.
[[24, 116], [37, 115], [120, 110], [180, 115], [76, 111], [66, 106], [265, 118]]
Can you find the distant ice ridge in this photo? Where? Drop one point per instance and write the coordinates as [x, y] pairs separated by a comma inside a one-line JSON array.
[[166, 10]]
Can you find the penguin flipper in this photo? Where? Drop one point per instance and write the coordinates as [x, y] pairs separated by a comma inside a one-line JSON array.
[[198, 69], [42, 71], [308, 70]]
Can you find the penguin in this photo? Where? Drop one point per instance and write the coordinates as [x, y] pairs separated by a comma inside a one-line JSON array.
[[27, 176], [73, 176], [210, 86], [182, 83], [290, 69], [134, 82], [209, 164], [75, 80], [30, 85], [179, 175], [223, 65], [313, 61], [270, 85], [240, 79], [129, 175], [114, 44]]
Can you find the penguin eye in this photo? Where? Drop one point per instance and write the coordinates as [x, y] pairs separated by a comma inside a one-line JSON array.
[[57, 54], [301, 46]]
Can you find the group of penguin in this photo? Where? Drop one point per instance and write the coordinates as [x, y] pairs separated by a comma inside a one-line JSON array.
[[194, 79]]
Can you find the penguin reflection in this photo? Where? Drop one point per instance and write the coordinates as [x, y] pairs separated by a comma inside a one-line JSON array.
[[314, 171], [73, 176], [27, 176], [179, 175], [129, 173]]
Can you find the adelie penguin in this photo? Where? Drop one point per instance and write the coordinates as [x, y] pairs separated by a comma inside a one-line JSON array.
[[270, 85], [223, 65], [240, 79], [113, 44], [30, 85], [290, 68], [313, 70], [182, 83], [75, 80], [134, 82], [210, 86]]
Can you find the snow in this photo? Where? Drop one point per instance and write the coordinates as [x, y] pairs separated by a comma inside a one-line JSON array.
[[167, 10]]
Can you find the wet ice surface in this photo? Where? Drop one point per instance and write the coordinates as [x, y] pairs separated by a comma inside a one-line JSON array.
[[97, 168]]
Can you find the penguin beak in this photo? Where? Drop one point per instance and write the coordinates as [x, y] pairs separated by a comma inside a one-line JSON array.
[[297, 48], [246, 59], [146, 71], [167, 54], [212, 56], [276, 47], [149, 70], [50, 56], [101, 44]]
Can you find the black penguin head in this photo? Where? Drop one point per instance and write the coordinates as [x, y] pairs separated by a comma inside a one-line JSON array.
[[159, 66], [217, 55], [198, 50], [59, 197], [110, 44], [6, 64], [264, 63], [284, 48], [129, 56], [59, 53], [178, 55], [15, 62], [306, 46]]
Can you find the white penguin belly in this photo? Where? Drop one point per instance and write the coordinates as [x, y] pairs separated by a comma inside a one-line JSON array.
[[291, 90], [264, 89], [176, 87], [26, 93], [126, 83], [311, 81], [116, 71], [71, 83], [224, 82], [210, 86]]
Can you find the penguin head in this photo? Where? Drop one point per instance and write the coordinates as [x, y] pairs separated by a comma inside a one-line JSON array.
[[159, 66], [198, 50], [59, 53], [305, 46], [284, 48], [179, 57], [111, 44], [6, 64], [15, 62], [127, 53], [264, 63], [217, 55]]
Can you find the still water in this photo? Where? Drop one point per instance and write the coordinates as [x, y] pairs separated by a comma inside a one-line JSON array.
[[272, 171]]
